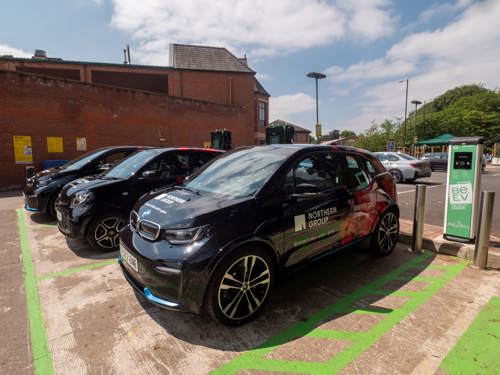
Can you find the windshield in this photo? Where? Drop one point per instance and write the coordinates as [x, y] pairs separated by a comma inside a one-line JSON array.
[[240, 173], [83, 160], [405, 156], [129, 166]]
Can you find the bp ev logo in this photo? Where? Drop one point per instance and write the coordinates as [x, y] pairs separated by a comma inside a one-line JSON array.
[[300, 223], [461, 193]]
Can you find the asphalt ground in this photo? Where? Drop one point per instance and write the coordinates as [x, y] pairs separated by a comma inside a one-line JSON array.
[[435, 197], [67, 309]]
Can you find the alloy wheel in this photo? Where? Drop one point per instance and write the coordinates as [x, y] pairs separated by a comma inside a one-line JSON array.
[[244, 287], [388, 232], [107, 232]]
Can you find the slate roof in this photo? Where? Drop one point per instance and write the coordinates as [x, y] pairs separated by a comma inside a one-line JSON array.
[[259, 88], [297, 128], [184, 56]]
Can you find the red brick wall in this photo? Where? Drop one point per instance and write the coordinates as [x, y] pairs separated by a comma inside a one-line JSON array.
[[41, 107]]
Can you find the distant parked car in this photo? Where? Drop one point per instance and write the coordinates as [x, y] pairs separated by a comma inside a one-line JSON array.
[[41, 190], [404, 167], [96, 208], [438, 160]]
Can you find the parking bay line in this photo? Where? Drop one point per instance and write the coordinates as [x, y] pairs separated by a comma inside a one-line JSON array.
[[359, 341], [42, 359], [412, 191], [70, 271]]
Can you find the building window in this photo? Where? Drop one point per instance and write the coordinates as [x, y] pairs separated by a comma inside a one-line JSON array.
[[262, 113]]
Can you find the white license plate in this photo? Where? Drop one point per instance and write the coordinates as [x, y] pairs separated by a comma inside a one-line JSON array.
[[59, 216], [129, 258]]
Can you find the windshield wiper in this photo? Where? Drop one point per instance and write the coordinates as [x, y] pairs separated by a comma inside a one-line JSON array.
[[187, 189]]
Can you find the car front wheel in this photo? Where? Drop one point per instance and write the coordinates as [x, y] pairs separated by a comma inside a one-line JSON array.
[[386, 234], [398, 176], [240, 286], [104, 231]]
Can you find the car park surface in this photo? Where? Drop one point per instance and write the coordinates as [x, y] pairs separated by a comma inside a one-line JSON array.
[[348, 313]]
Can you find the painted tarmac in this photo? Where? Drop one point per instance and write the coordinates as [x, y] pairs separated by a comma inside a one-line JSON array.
[[351, 313]]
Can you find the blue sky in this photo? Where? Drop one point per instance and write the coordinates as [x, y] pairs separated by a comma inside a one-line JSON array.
[[365, 46]]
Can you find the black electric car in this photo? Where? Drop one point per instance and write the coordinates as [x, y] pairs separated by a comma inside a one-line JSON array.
[[96, 208], [41, 190], [219, 240]]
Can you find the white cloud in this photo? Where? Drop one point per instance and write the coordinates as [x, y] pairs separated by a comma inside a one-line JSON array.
[[263, 77], [16, 52], [285, 106], [463, 52], [259, 27]]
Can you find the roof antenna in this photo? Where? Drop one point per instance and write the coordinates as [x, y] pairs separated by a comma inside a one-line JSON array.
[[128, 54], [124, 56]]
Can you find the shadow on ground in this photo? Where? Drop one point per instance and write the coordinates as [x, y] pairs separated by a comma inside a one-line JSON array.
[[296, 297]]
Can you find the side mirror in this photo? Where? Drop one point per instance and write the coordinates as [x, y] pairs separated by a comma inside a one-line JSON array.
[[305, 190], [104, 167], [148, 175]]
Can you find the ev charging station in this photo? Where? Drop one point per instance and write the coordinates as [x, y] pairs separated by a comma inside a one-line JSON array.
[[463, 186]]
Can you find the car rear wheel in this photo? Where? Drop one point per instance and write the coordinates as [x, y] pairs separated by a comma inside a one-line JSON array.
[[104, 231], [398, 176], [386, 234], [240, 286]]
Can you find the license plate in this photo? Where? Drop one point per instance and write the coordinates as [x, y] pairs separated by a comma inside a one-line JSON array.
[[129, 258], [59, 216]]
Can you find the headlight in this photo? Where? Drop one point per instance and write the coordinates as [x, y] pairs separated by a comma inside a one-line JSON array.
[[81, 197], [185, 236], [44, 182]]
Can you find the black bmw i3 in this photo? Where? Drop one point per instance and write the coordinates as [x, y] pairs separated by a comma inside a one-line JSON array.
[[219, 241]]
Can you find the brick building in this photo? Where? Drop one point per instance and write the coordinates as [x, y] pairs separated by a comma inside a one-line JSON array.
[[202, 89]]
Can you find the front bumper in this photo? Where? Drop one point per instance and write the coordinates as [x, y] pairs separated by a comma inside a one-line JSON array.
[[69, 224], [146, 292], [35, 202]]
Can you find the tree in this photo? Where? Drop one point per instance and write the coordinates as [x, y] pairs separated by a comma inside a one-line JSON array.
[[347, 133]]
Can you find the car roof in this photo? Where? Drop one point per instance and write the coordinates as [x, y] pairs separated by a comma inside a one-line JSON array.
[[297, 147]]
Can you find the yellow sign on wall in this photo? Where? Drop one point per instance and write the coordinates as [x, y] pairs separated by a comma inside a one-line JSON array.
[[81, 144], [23, 154], [55, 144], [207, 144]]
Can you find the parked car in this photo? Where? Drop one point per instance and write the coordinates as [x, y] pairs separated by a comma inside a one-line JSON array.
[[404, 167], [96, 208], [41, 190], [220, 240], [437, 160]]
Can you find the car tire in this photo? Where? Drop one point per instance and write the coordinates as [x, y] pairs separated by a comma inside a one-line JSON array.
[[51, 207], [103, 232], [386, 233], [232, 298], [398, 176]]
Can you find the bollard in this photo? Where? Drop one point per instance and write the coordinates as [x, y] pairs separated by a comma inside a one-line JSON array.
[[484, 230], [418, 219]]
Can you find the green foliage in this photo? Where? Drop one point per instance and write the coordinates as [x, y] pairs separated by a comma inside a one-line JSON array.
[[470, 110], [347, 133]]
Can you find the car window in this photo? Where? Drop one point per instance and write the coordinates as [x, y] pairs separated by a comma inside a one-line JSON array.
[[356, 177], [171, 166], [321, 169], [200, 158], [382, 157], [115, 157], [406, 156], [393, 158]]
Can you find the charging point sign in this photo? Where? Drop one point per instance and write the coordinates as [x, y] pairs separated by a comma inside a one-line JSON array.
[[462, 188]]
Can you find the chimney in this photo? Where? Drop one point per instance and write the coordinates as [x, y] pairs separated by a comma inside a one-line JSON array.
[[40, 54]]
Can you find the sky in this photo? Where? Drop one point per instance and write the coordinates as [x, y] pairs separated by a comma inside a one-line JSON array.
[[365, 47]]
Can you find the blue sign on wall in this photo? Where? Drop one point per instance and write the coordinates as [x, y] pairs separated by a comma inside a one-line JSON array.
[[391, 145]]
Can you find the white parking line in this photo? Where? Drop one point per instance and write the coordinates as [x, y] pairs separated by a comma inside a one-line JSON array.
[[412, 191]]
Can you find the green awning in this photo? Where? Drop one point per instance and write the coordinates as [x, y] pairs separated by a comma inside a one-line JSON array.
[[442, 139]]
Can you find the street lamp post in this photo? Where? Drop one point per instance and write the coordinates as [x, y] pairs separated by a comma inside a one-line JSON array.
[[417, 103], [406, 110], [317, 76]]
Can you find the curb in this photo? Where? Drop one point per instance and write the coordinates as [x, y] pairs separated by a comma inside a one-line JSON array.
[[442, 246]]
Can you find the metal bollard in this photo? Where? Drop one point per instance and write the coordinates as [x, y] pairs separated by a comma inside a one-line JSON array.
[[418, 219], [484, 230]]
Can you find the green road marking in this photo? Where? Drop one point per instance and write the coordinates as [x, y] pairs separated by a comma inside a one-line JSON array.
[[39, 343], [70, 271], [478, 350], [359, 341]]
